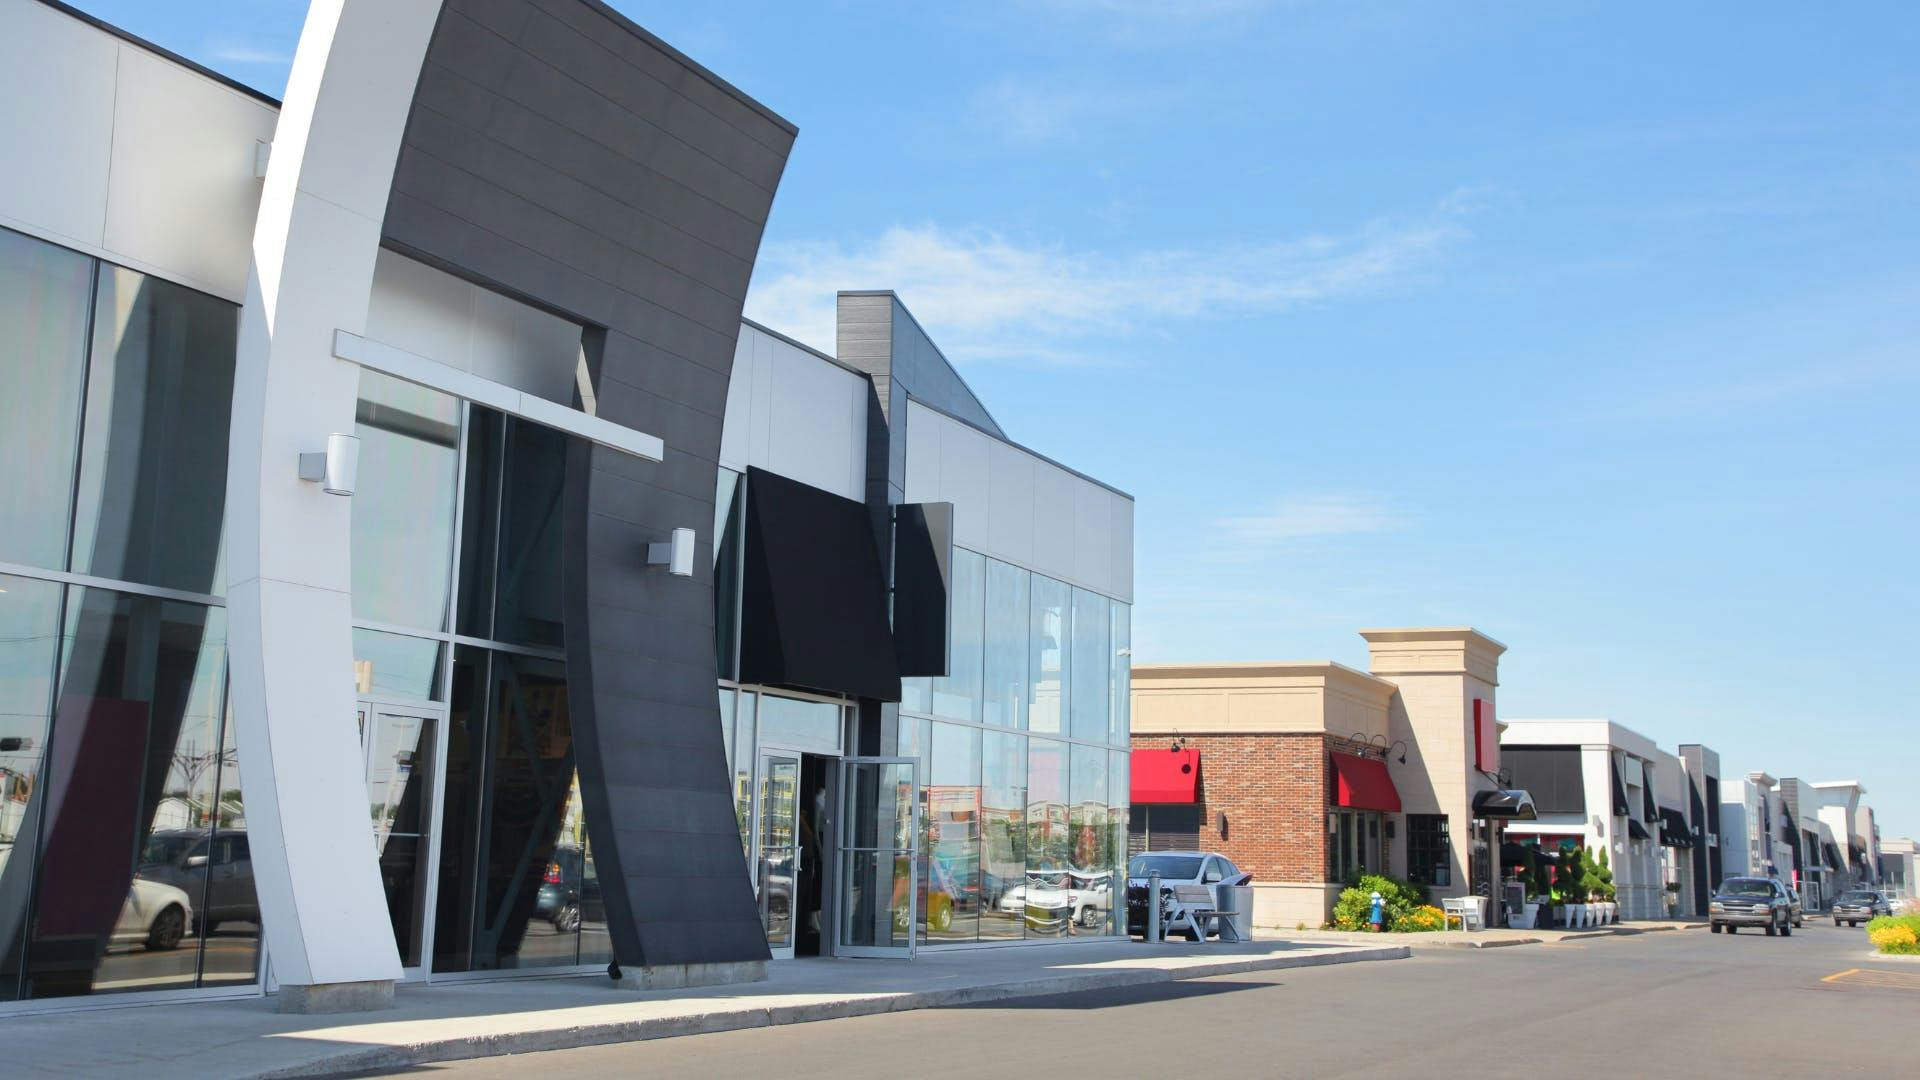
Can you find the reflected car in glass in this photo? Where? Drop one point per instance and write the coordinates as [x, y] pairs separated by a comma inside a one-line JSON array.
[[1175, 868], [155, 916], [179, 857], [567, 894], [1050, 899]]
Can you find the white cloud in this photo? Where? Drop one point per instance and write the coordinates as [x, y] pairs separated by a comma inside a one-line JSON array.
[[1313, 516], [239, 52], [987, 297], [1024, 111]]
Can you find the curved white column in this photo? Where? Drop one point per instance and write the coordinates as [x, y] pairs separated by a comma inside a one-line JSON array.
[[288, 581]]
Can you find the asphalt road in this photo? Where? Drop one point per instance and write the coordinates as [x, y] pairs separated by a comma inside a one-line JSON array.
[[1680, 1004]]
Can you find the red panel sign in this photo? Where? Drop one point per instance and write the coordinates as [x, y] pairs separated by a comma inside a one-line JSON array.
[[1486, 737]]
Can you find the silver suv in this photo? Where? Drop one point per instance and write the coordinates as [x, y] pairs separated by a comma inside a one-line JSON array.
[[1858, 906], [1751, 901]]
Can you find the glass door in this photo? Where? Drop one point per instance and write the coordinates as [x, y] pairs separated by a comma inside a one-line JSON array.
[[401, 746], [777, 849], [879, 872]]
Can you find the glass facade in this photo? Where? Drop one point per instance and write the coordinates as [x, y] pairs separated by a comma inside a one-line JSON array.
[[124, 861], [1022, 836]]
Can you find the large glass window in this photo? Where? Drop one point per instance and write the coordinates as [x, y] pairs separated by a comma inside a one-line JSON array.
[[403, 504], [800, 724], [1003, 835], [1092, 655], [1007, 621], [396, 666], [45, 293], [1122, 696], [1049, 840], [1047, 672], [956, 695], [1429, 852], [1090, 895], [130, 812], [951, 818], [29, 646], [153, 461]]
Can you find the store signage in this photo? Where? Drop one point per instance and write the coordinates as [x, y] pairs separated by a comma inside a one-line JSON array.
[[1486, 737]]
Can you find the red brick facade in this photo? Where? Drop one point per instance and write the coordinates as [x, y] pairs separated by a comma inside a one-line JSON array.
[[1273, 790]]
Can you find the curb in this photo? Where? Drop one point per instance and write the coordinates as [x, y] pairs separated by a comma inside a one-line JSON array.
[[463, 1047]]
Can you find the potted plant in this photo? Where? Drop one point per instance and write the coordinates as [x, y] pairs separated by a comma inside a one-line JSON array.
[[1573, 889], [1603, 870], [1538, 891]]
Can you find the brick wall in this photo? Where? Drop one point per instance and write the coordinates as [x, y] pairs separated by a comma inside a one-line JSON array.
[[1273, 790]]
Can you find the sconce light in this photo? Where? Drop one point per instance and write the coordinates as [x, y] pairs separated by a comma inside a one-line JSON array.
[[336, 468], [1333, 824], [1223, 825], [676, 555], [1177, 745], [1402, 744]]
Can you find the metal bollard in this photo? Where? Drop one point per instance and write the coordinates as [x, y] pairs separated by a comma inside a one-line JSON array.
[[1153, 907]]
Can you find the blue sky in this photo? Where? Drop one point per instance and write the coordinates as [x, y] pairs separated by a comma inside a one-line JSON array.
[[1594, 326]]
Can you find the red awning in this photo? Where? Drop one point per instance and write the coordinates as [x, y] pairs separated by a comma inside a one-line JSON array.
[[1166, 776], [1363, 784]]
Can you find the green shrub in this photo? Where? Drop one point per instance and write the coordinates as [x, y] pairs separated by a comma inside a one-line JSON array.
[[1896, 935], [1604, 889], [1356, 901]]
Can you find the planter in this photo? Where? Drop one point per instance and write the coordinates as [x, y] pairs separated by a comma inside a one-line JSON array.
[[1576, 916], [1525, 919], [1560, 915], [1613, 912]]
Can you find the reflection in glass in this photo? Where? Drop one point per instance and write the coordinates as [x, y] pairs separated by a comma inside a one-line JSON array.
[[1003, 835], [528, 587], [136, 746], [956, 695], [779, 839], [798, 724], [403, 504], [1048, 673], [463, 801], [1091, 853], [916, 694], [395, 666], [1092, 656], [44, 294], [950, 848], [29, 641], [153, 459], [876, 893], [1122, 693], [400, 752], [1049, 844], [741, 757], [1007, 622], [230, 918]]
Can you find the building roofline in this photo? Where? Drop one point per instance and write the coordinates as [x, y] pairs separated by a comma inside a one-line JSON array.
[[931, 407], [164, 53], [918, 325], [1431, 633], [806, 348], [1259, 667]]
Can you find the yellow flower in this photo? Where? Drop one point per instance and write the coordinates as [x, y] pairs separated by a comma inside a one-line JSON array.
[[1888, 937]]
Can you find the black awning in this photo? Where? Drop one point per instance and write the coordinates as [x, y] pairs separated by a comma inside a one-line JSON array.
[[1512, 805], [1637, 831], [1674, 830], [1619, 787], [813, 598]]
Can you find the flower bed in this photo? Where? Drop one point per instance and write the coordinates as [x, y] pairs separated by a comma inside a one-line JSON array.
[[1895, 935]]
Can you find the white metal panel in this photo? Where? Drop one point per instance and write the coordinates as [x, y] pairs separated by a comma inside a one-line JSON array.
[[523, 346], [183, 193], [420, 309], [1121, 523], [963, 482], [57, 78], [1092, 537], [1010, 502], [739, 413], [760, 405], [923, 453], [811, 434], [1053, 522]]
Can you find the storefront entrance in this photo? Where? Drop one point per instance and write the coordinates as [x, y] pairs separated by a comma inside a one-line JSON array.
[[403, 747]]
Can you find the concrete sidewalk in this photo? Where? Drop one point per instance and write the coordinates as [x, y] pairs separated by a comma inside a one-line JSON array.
[[449, 1022], [1490, 938]]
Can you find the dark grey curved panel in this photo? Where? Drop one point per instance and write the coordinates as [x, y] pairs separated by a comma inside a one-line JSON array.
[[559, 152]]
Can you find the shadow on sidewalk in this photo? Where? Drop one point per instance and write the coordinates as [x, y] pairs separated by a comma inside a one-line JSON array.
[[1145, 994]]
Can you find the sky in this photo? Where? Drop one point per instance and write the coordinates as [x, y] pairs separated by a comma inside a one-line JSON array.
[[1595, 327]]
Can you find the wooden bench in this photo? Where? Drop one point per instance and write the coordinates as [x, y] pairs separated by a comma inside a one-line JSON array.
[[1195, 907]]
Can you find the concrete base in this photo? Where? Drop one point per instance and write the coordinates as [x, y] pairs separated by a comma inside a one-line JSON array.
[[346, 997], [683, 976]]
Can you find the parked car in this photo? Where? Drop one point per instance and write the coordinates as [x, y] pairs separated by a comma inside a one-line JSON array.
[[1751, 901], [1793, 907], [154, 915], [1175, 868], [1858, 906], [178, 857]]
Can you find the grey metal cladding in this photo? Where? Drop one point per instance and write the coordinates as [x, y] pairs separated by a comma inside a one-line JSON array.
[[561, 154]]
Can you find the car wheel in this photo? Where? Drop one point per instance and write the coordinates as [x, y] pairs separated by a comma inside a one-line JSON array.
[[1786, 929], [1732, 929], [1190, 935], [1713, 928], [567, 919], [167, 929], [1089, 918], [1773, 929], [1836, 922], [939, 915]]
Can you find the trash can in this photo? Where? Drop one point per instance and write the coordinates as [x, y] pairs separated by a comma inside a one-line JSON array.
[[1237, 902]]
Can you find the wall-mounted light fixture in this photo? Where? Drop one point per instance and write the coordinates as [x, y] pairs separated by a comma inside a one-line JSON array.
[[336, 468], [676, 554], [1402, 744], [1223, 825], [1177, 745]]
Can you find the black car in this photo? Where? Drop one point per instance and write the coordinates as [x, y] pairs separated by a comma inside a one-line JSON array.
[[1858, 906], [1760, 903], [569, 892]]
